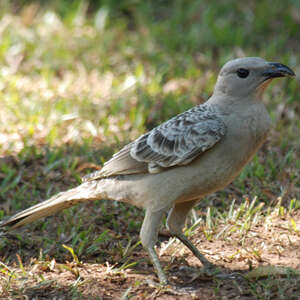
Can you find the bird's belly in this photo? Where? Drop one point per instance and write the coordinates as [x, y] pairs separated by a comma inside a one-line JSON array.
[[219, 167], [213, 170]]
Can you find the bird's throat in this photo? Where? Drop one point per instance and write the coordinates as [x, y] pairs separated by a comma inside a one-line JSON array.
[[260, 90]]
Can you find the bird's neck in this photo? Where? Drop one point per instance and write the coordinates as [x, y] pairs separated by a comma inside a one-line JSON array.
[[225, 102]]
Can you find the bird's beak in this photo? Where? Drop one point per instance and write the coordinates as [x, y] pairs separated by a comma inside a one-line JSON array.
[[275, 70]]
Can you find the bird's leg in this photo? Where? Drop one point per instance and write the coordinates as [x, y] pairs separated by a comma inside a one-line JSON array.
[[175, 223], [207, 264], [148, 234]]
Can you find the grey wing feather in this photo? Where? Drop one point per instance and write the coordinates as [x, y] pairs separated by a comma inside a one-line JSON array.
[[181, 139], [122, 163], [176, 142]]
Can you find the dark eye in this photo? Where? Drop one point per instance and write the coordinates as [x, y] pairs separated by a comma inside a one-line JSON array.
[[242, 73]]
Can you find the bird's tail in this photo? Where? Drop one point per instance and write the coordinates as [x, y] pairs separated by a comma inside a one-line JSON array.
[[82, 193]]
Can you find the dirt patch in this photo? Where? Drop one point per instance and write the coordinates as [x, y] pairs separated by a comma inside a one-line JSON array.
[[270, 242]]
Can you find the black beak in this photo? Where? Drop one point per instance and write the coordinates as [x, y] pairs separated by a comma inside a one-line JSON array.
[[277, 70]]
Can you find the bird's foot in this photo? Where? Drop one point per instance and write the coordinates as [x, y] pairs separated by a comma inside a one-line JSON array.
[[213, 272]]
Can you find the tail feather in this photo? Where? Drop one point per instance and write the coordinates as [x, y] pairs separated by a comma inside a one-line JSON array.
[[84, 192]]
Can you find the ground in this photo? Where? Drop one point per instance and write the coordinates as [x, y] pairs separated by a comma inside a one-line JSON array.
[[264, 263]]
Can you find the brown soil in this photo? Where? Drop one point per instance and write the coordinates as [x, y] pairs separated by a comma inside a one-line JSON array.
[[271, 242]]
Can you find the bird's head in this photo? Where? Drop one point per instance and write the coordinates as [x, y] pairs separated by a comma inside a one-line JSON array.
[[249, 76]]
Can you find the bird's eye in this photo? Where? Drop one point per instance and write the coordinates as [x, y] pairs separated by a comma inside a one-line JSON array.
[[242, 73]]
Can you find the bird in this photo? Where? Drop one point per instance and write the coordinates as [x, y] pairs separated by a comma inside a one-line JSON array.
[[169, 169]]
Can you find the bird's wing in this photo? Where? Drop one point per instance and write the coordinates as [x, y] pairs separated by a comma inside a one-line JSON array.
[[176, 142], [181, 139]]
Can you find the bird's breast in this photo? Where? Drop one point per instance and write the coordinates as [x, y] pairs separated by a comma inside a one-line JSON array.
[[216, 168]]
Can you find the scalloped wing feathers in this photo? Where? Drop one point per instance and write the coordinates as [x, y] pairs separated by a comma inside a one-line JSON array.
[[181, 139], [176, 142]]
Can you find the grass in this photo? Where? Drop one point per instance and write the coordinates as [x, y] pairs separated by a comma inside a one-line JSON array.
[[79, 81]]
